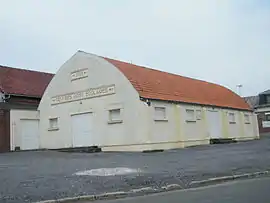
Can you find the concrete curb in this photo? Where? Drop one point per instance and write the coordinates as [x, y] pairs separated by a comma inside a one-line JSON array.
[[151, 190], [227, 178], [115, 195]]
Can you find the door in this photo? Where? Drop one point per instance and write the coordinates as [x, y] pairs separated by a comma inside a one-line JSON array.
[[82, 130], [29, 134], [214, 124]]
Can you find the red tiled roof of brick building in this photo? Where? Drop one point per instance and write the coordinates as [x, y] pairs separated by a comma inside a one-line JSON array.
[[23, 82], [154, 84]]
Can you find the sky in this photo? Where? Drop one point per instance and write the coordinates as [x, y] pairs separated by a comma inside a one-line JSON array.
[[221, 41]]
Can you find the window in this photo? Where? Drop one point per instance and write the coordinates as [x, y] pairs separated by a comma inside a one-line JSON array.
[[160, 114], [53, 124], [231, 118], [198, 114], [247, 118], [115, 116], [190, 115], [268, 99], [267, 116]]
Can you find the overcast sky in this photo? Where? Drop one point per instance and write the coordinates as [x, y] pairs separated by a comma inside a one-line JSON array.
[[221, 41]]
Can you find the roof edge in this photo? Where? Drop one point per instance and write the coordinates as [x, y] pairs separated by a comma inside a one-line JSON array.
[[23, 69], [198, 104]]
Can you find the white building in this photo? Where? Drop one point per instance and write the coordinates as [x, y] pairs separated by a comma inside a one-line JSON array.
[[118, 106]]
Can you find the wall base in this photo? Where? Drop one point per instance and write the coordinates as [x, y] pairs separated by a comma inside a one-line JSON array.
[[154, 146]]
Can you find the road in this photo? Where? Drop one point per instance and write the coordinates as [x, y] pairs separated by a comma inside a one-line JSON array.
[[243, 191], [45, 175]]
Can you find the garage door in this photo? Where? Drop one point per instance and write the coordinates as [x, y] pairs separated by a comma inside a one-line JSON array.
[[29, 134], [214, 124], [82, 130]]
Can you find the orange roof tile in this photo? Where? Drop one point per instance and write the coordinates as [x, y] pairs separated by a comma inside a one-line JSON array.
[[154, 84]]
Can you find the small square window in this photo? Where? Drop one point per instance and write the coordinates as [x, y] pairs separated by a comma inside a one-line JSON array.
[[198, 114], [160, 114], [232, 118], [190, 115], [115, 116], [53, 124], [247, 118]]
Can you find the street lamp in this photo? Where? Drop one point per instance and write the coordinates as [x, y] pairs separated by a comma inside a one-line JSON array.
[[239, 88]]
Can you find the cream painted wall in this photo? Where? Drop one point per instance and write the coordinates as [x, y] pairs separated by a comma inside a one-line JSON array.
[[15, 125], [100, 72], [177, 131]]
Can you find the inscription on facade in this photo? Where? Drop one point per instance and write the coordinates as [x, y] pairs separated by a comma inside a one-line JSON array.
[[85, 94], [78, 74]]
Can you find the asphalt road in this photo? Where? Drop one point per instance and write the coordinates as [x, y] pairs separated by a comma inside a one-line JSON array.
[[243, 191], [34, 176]]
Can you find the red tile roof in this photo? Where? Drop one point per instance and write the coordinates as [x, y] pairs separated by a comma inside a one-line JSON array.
[[154, 84], [23, 82]]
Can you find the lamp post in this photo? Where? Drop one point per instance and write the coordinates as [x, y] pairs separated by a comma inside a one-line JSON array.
[[239, 88]]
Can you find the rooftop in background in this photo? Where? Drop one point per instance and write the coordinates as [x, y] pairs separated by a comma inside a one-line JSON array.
[[253, 101], [23, 82], [266, 92]]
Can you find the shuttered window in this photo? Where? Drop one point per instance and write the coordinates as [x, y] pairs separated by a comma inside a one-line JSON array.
[[160, 113], [232, 119], [190, 115], [115, 116], [53, 123], [247, 118]]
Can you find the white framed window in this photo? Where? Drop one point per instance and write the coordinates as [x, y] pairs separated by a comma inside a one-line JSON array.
[[231, 117], [160, 113], [247, 118], [267, 116], [115, 116], [198, 114], [190, 115], [53, 124]]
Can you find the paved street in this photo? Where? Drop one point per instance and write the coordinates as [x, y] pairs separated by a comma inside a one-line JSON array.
[[243, 191], [33, 176]]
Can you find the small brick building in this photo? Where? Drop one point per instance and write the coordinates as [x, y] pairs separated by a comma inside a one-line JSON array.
[[20, 91]]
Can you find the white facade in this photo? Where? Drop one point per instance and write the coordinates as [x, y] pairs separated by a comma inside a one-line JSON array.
[[89, 102], [24, 129]]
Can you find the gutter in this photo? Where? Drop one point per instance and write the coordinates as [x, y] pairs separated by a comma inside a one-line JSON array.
[[23, 95], [148, 100]]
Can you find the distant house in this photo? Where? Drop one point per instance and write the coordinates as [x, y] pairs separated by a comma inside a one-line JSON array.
[[261, 106], [20, 94]]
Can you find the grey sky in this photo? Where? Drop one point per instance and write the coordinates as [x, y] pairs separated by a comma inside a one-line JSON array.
[[222, 41]]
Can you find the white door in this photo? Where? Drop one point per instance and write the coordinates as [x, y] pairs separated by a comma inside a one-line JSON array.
[[82, 130], [29, 134], [214, 124]]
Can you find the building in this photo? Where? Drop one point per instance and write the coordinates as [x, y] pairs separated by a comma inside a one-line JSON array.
[[261, 106], [118, 106], [20, 93]]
